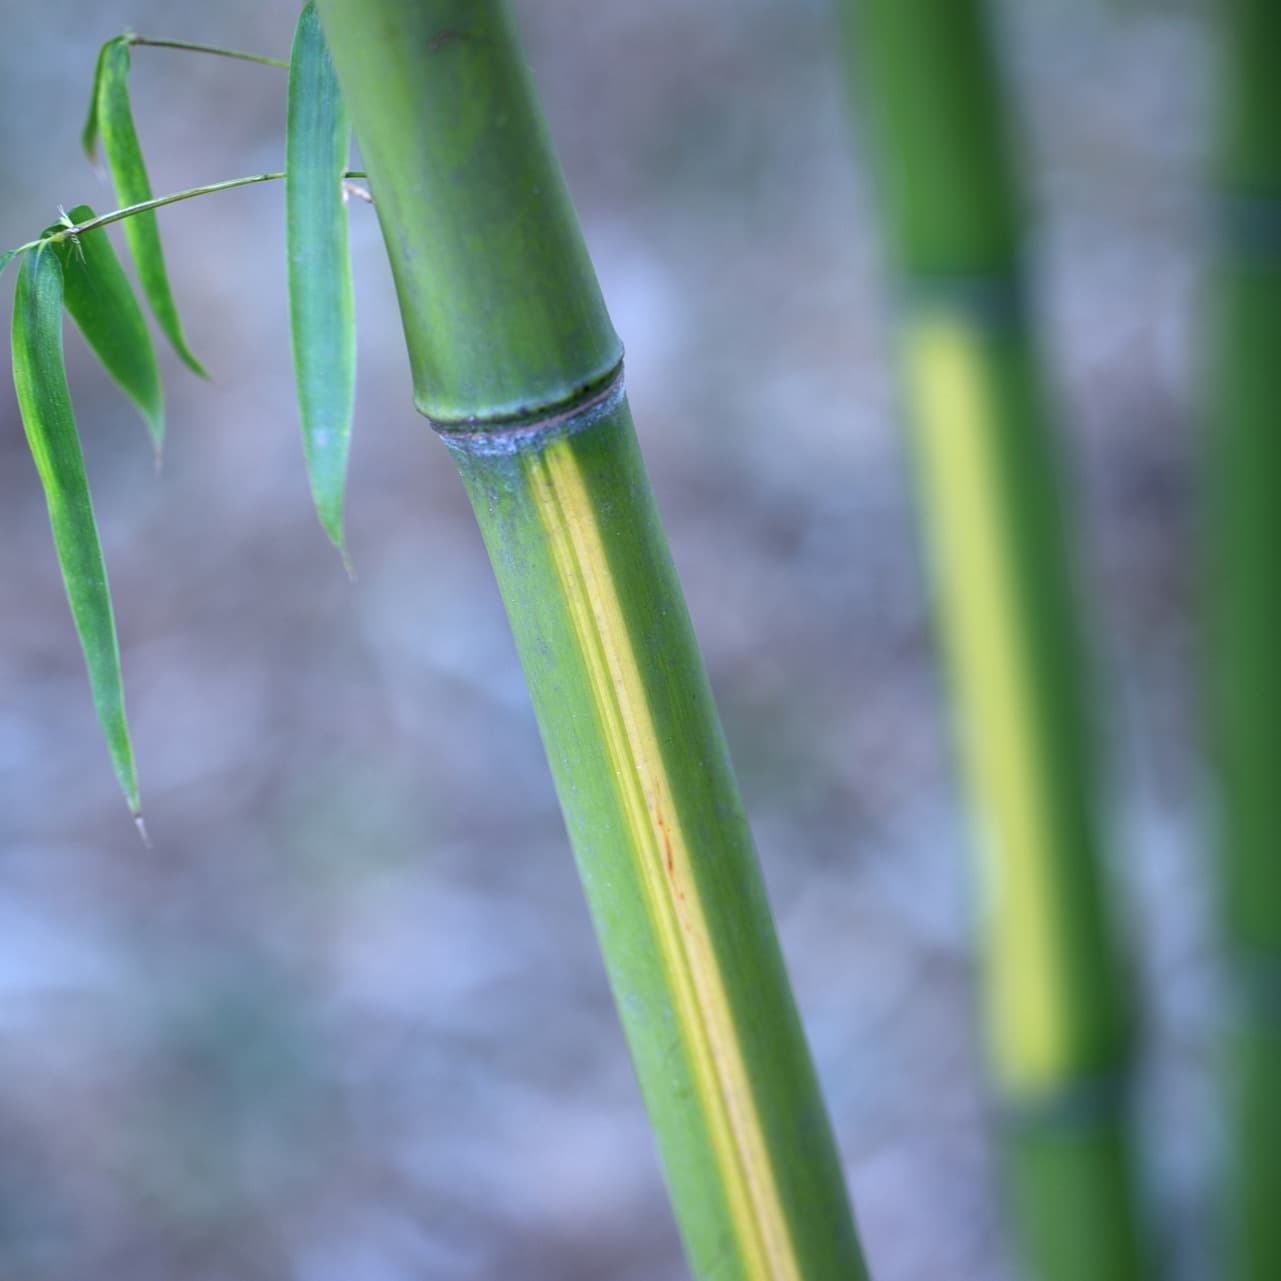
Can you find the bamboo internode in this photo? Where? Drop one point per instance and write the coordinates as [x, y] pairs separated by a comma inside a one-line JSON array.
[[516, 364], [1243, 452], [1056, 1008]]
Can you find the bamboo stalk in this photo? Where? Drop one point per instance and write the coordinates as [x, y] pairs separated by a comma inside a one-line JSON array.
[[1244, 455], [516, 365], [1056, 1010]]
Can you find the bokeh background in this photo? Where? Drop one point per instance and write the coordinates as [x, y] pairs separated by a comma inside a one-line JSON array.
[[346, 1020]]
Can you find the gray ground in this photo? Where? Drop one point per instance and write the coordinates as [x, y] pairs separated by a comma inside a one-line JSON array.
[[346, 1021]]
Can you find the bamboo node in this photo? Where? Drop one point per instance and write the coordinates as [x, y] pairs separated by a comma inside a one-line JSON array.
[[499, 436]]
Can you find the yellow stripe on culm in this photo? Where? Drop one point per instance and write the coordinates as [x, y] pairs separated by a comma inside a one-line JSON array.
[[696, 982], [949, 383]]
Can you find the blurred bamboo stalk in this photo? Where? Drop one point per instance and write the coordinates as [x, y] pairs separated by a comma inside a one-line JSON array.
[[1244, 454], [1058, 1025], [516, 365]]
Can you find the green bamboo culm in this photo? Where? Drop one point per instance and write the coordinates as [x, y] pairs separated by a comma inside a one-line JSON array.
[[1244, 467], [516, 365], [1056, 1010]]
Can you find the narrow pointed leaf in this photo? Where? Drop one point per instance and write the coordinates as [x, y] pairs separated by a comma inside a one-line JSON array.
[[6, 258], [89, 134], [321, 307], [129, 174], [101, 301], [45, 404]]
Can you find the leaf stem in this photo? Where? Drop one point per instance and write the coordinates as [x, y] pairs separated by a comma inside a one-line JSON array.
[[128, 211], [208, 48], [160, 201]]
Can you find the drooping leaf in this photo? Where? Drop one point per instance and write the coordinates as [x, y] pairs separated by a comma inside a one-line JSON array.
[[89, 134], [45, 404], [321, 306], [6, 258], [129, 174], [101, 301]]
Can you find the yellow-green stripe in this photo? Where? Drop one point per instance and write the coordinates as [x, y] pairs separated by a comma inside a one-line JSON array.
[[666, 861], [953, 412]]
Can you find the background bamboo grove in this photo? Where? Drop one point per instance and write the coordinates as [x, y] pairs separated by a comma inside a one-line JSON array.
[[989, 483], [305, 1029]]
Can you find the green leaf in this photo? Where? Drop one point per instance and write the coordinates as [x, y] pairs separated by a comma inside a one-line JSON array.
[[44, 401], [129, 174], [101, 301], [6, 258], [89, 134], [321, 306]]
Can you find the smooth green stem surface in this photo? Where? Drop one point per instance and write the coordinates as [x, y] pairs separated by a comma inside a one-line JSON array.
[[1056, 1001], [499, 301], [934, 122], [1249, 151], [1246, 474], [664, 851], [1085, 1172], [516, 363], [1243, 450]]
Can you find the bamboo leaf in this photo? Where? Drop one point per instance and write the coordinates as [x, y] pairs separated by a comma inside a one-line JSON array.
[[89, 134], [101, 301], [129, 174], [44, 401], [321, 306]]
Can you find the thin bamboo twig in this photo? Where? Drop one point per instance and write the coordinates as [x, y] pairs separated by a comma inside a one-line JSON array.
[[70, 229], [134, 39]]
